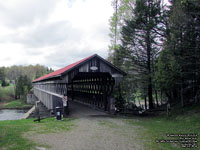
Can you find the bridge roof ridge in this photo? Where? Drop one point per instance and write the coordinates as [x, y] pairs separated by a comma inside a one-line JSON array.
[[62, 70], [68, 68]]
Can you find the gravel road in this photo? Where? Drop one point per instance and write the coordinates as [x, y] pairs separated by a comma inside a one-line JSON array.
[[94, 130]]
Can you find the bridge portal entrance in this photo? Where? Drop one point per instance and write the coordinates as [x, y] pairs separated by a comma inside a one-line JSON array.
[[92, 88]]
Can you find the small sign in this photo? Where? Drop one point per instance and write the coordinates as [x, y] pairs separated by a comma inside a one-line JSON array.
[[93, 68], [117, 75]]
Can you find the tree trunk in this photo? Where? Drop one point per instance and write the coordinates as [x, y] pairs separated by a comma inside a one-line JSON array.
[[145, 102], [156, 98], [182, 101], [150, 97]]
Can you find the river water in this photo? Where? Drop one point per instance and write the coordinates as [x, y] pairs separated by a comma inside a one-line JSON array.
[[11, 114]]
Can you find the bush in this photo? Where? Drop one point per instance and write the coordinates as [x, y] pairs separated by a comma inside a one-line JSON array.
[[7, 93]]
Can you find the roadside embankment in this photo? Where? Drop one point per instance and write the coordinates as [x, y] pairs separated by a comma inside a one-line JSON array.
[[16, 104]]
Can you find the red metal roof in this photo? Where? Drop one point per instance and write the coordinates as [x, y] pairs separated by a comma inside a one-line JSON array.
[[62, 70]]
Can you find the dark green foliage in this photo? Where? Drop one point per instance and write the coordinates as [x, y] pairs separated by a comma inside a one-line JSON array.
[[3, 77], [140, 42], [119, 99], [178, 72], [23, 86], [168, 72], [159, 49]]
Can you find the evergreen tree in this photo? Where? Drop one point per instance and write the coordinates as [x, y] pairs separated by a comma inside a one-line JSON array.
[[23, 86], [180, 70], [140, 41], [3, 76]]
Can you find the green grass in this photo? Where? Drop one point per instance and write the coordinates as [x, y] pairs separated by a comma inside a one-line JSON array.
[[7, 93], [12, 133], [51, 125], [154, 128], [16, 104]]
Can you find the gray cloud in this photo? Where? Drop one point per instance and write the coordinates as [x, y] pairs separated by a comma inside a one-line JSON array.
[[25, 12], [54, 43], [46, 35], [49, 34], [68, 54]]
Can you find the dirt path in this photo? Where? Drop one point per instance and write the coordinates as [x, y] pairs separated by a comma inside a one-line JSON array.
[[3, 103], [93, 130]]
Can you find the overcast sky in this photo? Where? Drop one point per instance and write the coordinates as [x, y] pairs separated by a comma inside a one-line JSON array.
[[53, 33]]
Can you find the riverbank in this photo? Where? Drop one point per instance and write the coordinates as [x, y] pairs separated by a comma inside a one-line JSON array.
[[16, 104], [7, 99]]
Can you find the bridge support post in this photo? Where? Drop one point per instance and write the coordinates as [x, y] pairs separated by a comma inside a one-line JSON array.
[[105, 96]]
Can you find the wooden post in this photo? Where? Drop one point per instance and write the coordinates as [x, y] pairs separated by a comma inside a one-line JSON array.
[[37, 110], [145, 102], [105, 95], [72, 92], [182, 100], [168, 109]]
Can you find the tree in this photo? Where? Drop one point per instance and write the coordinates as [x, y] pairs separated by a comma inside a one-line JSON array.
[[23, 86], [179, 71], [32, 72], [3, 76], [140, 41], [167, 74], [159, 47], [123, 11]]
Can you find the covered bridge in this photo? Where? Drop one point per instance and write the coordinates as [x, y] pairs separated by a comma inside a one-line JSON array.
[[89, 81]]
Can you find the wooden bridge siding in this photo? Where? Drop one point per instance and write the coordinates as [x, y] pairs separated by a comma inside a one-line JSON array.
[[47, 93], [84, 68], [60, 85], [102, 67], [45, 98], [59, 88], [105, 68]]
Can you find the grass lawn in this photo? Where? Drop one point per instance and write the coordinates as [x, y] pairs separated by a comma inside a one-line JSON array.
[[16, 104], [181, 122], [12, 132]]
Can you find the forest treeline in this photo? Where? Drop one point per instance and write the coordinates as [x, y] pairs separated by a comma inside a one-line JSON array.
[[21, 77], [158, 45]]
